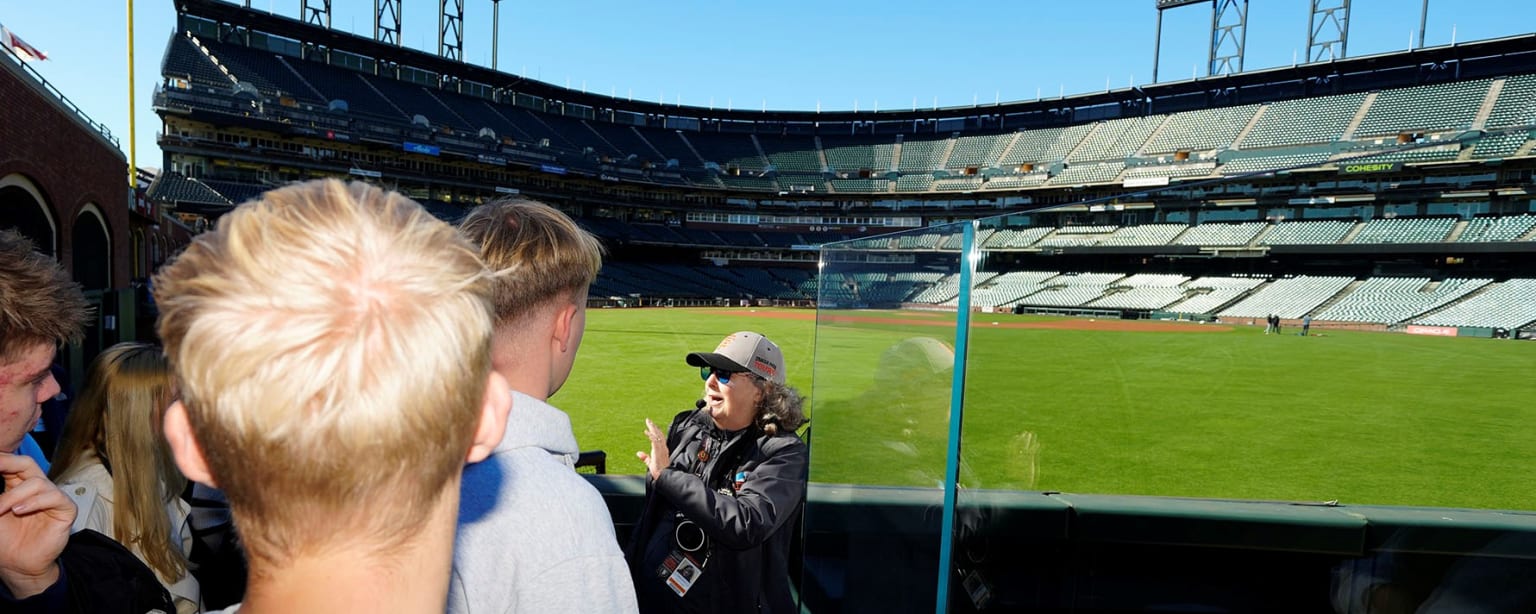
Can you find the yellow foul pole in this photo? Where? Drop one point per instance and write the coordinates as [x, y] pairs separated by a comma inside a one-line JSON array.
[[133, 163]]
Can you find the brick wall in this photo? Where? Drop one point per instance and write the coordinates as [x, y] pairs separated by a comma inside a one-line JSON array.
[[68, 163]]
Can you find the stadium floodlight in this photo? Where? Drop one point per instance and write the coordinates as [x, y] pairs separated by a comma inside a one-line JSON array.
[[1327, 13], [1229, 34], [386, 21], [317, 12], [450, 30]]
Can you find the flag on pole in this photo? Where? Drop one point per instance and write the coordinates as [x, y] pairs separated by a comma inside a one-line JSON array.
[[28, 53]]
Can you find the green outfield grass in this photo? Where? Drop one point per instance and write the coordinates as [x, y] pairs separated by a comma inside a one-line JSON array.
[[1362, 418]]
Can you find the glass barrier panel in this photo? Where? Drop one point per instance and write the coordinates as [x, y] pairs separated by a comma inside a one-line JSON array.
[[884, 367], [1228, 386]]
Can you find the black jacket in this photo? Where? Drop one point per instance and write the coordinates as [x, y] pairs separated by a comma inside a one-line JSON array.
[[745, 497], [97, 576]]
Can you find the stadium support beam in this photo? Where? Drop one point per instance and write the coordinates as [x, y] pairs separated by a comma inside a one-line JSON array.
[[317, 12], [451, 24], [1229, 36], [1331, 15], [386, 21], [495, 31], [1423, 21]]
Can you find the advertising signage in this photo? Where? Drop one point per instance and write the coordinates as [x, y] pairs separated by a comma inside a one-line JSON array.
[[430, 150], [1369, 168]]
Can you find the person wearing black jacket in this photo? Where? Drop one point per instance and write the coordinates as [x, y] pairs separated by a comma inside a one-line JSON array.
[[42, 567], [726, 483]]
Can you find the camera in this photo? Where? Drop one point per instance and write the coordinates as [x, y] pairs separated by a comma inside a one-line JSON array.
[[688, 536]]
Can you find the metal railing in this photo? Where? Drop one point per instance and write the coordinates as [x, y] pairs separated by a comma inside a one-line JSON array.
[[100, 128]]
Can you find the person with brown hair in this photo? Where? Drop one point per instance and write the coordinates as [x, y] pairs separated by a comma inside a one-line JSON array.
[[332, 346], [533, 535], [112, 461], [43, 567], [726, 483]]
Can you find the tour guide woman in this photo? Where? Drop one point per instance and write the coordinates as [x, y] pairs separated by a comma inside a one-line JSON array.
[[726, 483]]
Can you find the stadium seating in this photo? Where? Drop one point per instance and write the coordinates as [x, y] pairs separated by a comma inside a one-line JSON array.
[[1008, 182], [1142, 291], [921, 154], [1516, 105], [626, 141], [1444, 106], [342, 84], [1201, 130], [1076, 236], [483, 114], [1303, 121], [792, 154], [1013, 238], [1144, 234], [1390, 300], [1319, 232], [236, 192], [861, 186], [802, 183], [261, 69], [413, 100], [1171, 171], [728, 150], [761, 184], [957, 184], [1208, 294], [955, 241], [1080, 174], [1499, 145], [1510, 304], [1405, 230], [176, 188], [850, 154], [183, 59], [1006, 288], [1289, 298], [978, 150], [672, 145], [1145, 297], [1069, 290], [1044, 146], [1221, 234], [1115, 139], [1254, 164], [1422, 154], [1493, 229], [914, 183], [942, 290]]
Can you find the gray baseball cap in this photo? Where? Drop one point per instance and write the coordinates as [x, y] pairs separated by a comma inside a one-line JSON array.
[[744, 351]]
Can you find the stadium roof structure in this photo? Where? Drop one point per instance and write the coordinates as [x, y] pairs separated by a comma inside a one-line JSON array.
[[1426, 64]]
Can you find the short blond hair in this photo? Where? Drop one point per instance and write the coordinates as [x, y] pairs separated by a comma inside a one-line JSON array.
[[38, 302], [537, 252], [332, 343]]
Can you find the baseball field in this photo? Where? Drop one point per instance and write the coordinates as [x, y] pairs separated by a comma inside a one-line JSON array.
[[1102, 407]]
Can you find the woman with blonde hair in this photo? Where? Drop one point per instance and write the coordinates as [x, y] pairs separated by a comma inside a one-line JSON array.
[[112, 460]]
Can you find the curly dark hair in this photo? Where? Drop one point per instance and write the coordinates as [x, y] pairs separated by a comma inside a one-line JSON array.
[[780, 409]]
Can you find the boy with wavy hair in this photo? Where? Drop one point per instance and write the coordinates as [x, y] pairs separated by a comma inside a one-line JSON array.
[[533, 535]]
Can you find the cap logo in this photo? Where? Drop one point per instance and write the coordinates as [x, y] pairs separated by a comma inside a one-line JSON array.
[[764, 366]]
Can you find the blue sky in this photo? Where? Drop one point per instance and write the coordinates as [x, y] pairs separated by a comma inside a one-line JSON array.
[[790, 54]]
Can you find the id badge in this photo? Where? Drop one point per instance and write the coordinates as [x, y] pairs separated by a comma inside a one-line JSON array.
[[680, 571]]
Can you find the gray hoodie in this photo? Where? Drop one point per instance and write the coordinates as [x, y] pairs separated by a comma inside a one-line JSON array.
[[533, 535]]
